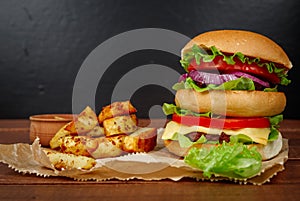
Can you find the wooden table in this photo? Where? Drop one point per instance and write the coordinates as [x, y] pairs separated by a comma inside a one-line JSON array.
[[15, 186]]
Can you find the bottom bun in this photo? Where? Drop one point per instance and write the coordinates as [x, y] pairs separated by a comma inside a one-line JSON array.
[[175, 148], [268, 151], [271, 149]]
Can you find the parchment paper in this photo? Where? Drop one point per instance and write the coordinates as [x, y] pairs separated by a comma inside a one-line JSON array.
[[155, 165]]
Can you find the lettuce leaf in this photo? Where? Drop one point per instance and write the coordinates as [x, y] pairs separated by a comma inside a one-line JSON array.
[[274, 89], [241, 83], [274, 121], [200, 54], [233, 160], [169, 109], [185, 142], [241, 138]]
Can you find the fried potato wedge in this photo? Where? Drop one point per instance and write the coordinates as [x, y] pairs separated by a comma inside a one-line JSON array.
[[63, 161], [76, 145], [58, 138], [116, 109], [117, 140], [116, 135], [120, 125], [84, 122], [142, 140], [97, 131], [100, 147], [105, 148]]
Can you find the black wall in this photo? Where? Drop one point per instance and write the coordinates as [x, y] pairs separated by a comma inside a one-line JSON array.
[[44, 43]]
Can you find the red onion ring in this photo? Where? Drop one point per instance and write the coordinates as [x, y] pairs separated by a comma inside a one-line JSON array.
[[255, 79]]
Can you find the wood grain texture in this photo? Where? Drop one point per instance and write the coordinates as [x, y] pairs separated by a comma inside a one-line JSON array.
[[15, 186]]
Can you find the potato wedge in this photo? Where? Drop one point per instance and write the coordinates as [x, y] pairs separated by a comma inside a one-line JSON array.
[[101, 147], [120, 125], [57, 140], [63, 161], [105, 148], [116, 109], [117, 140], [84, 122], [142, 140], [76, 145], [97, 131]]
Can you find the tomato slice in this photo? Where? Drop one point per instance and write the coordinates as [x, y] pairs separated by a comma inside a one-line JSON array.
[[223, 123], [223, 67]]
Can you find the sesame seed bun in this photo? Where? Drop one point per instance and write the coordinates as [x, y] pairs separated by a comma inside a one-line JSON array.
[[233, 103], [249, 43]]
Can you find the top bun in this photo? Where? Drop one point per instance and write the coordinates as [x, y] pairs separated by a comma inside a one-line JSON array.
[[249, 43]]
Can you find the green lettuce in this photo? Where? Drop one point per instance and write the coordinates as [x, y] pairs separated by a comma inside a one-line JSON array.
[[185, 142], [169, 109], [199, 55], [274, 121], [241, 83], [274, 132], [242, 138], [233, 160], [274, 89]]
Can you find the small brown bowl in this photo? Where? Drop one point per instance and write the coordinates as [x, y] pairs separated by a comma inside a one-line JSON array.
[[45, 126]]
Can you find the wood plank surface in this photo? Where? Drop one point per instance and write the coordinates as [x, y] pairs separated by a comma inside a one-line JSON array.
[[15, 186]]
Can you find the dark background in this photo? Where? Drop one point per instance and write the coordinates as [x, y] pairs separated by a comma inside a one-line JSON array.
[[43, 44]]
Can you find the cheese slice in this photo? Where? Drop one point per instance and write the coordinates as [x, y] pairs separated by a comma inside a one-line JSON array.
[[258, 135]]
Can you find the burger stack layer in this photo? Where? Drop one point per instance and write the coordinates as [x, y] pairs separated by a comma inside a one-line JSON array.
[[228, 100]]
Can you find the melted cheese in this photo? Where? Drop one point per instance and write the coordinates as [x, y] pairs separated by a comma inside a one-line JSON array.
[[258, 135]]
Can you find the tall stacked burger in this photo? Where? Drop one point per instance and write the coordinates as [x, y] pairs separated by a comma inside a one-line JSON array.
[[227, 106]]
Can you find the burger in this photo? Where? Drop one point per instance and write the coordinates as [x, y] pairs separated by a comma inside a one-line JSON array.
[[228, 97]]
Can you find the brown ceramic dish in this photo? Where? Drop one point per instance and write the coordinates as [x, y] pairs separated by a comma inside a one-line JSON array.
[[45, 126]]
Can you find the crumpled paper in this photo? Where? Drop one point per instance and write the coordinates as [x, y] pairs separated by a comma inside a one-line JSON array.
[[155, 165]]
